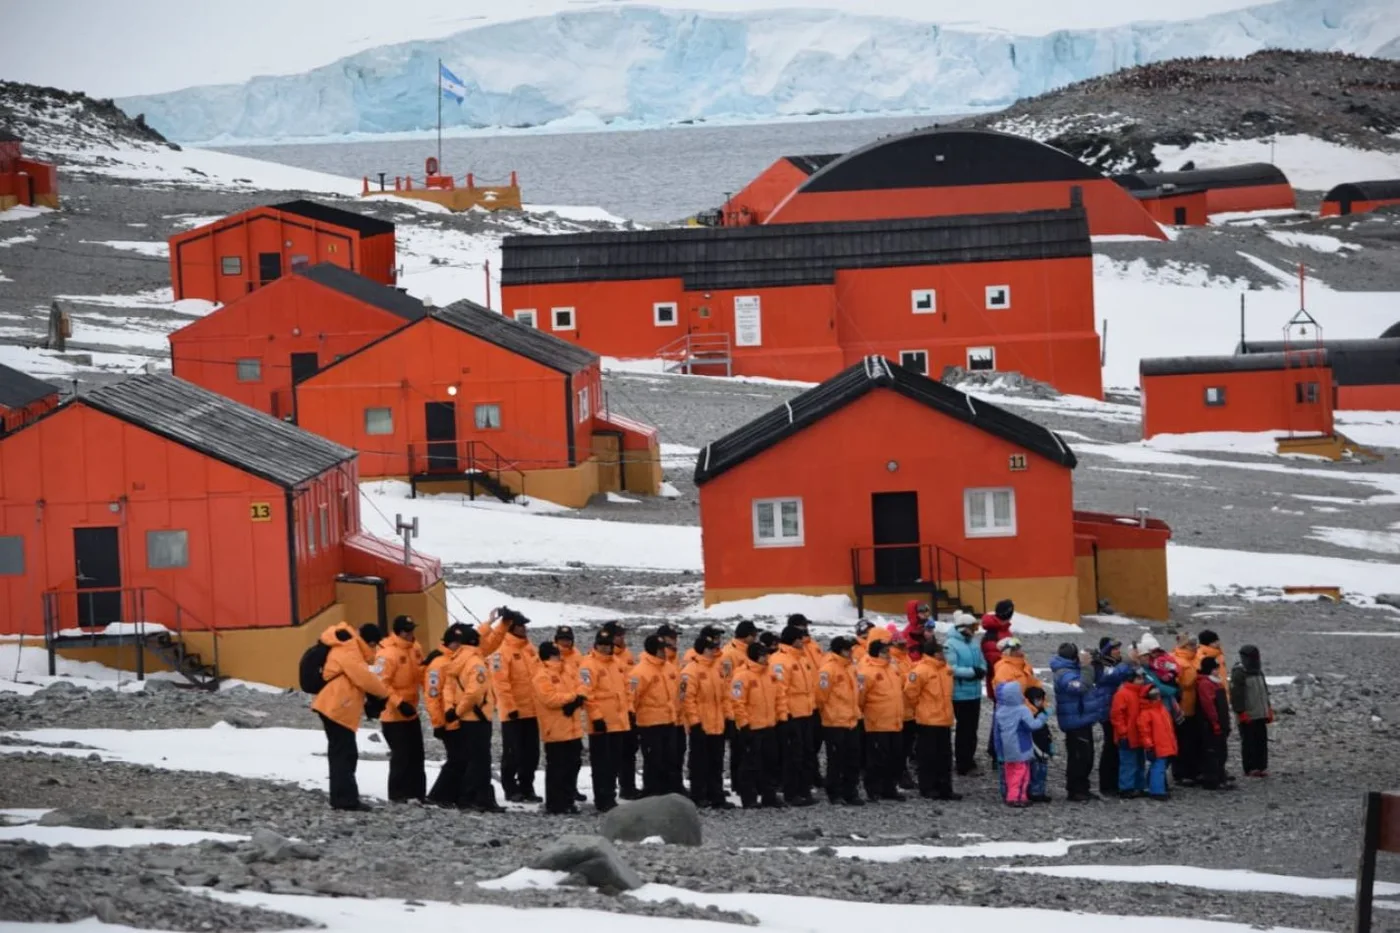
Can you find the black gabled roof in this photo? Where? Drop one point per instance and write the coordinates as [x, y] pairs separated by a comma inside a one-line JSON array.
[[7, 137], [366, 290], [363, 224], [1392, 331], [1240, 363], [19, 389], [874, 372], [219, 427], [813, 163], [1372, 362], [1383, 190], [1229, 176], [791, 254], [529, 342], [1165, 191]]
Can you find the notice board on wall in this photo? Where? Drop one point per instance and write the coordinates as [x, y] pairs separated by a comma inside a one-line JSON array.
[[748, 321]]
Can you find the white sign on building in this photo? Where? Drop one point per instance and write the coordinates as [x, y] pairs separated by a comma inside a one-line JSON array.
[[748, 321]]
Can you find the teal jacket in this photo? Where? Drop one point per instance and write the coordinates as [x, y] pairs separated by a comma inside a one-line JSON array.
[[969, 667]]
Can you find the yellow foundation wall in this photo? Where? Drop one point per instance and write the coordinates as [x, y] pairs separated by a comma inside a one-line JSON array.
[[46, 200], [359, 602], [641, 471], [8, 201], [572, 486], [119, 658], [428, 609], [1329, 446], [1088, 584], [1134, 581]]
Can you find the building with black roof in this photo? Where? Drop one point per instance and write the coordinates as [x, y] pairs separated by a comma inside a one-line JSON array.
[[1251, 186], [23, 398], [753, 203], [1366, 371], [1359, 197]]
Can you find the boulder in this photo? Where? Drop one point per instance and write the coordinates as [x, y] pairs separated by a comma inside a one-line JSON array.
[[672, 817], [591, 857], [268, 846], [85, 819]]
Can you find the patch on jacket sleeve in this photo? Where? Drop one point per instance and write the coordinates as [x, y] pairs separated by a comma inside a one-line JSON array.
[[913, 678], [434, 679], [495, 662], [585, 676], [824, 680], [860, 681], [778, 672], [634, 683], [685, 684], [737, 690], [378, 666], [726, 667]]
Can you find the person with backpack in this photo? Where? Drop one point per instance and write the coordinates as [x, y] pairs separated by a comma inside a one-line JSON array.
[[399, 663], [337, 670]]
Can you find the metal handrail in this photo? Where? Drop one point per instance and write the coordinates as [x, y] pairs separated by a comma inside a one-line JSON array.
[[471, 456], [931, 557], [134, 599]]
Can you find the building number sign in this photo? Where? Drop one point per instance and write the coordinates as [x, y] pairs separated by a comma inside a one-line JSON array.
[[261, 511], [1018, 462]]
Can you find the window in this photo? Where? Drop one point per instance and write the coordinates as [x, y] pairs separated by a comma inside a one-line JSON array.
[[583, 410], [663, 314], [562, 318], [488, 417], [777, 523], [167, 550], [981, 359], [914, 361], [379, 421], [231, 265], [1215, 395], [249, 370], [998, 297], [1305, 393], [300, 262], [924, 301], [526, 316], [11, 556], [325, 526], [989, 513]]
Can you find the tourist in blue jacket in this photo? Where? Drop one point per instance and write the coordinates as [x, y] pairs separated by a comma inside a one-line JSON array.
[[1081, 703], [963, 653], [1013, 728]]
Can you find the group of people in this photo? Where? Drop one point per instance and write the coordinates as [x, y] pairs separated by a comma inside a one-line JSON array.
[[895, 709]]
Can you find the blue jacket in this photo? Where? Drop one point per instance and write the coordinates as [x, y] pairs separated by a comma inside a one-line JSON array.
[[969, 666], [1014, 724], [1079, 703]]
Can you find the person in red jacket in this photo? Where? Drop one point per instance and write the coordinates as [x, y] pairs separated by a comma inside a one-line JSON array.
[[919, 615], [1213, 719], [1127, 703], [1157, 732], [998, 626]]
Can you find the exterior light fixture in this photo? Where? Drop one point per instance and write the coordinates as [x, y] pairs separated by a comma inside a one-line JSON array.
[[892, 466], [452, 389]]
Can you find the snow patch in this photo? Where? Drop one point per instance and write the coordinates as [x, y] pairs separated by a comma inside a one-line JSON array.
[[1311, 164], [903, 853], [525, 879], [1320, 242], [120, 838], [1211, 879], [1199, 571]]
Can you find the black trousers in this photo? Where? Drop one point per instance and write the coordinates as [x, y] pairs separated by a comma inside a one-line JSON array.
[[520, 755], [934, 750], [1214, 750], [736, 752], [342, 756], [965, 715], [910, 738], [1079, 760], [842, 763], [883, 763], [627, 762], [758, 776], [407, 778], [604, 753], [475, 789], [1254, 746], [815, 772], [706, 767], [561, 764], [1108, 762], [447, 789], [657, 743], [676, 777], [797, 741], [1186, 766]]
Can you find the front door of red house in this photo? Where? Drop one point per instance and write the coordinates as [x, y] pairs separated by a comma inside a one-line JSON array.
[[269, 267], [98, 569], [895, 520], [440, 430]]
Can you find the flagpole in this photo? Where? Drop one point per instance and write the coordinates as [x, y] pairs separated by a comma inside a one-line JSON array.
[[439, 116]]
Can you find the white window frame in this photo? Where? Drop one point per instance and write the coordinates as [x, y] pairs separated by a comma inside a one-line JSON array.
[[235, 261], [162, 535], [991, 289], [671, 306], [247, 361], [584, 410], [982, 499], [379, 408], [1219, 400], [527, 316], [916, 294], [778, 539], [923, 353], [980, 351], [554, 319], [481, 407]]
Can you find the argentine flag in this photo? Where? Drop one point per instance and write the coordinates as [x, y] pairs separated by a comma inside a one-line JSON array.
[[452, 85]]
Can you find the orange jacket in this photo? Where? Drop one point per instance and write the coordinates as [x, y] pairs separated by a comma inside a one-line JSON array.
[[838, 693], [347, 676], [571, 658], [1018, 669], [605, 687], [881, 695], [513, 669], [732, 658], [793, 671], [900, 663], [434, 675], [861, 649], [755, 697], [815, 654], [1155, 729], [1187, 661], [704, 698], [1123, 715], [400, 667], [673, 682], [652, 696], [491, 637], [556, 684], [467, 687], [928, 691], [1212, 651]]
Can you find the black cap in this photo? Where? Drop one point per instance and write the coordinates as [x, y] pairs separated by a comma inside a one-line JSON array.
[[863, 626], [1208, 637], [877, 647], [404, 624], [614, 628], [1107, 644], [603, 637], [548, 650], [714, 631], [653, 645], [840, 643], [744, 629], [564, 633], [371, 633], [470, 636], [768, 640], [1069, 651], [1005, 609], [1208, 666], [799, 620], [452, 635], [1035, 694], [757, 652], [704, 643], [665, 630], [790, 634]]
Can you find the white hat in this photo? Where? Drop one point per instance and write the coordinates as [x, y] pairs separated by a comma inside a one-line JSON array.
[[964, 620], [1148, 643], [1008, 643]]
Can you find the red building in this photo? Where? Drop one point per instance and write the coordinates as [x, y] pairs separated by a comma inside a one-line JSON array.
[[1175, 206], [23, 399], [257, 347], [1254, 186], [464, 393], [773, 186], [224, 260], [1365, 373], [24, 181], [1359, 197], [153, 500], [1008, 292], [942, 172], [1255, 392]]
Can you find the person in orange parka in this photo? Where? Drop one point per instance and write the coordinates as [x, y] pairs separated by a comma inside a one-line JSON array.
[[513, 671], [675, 760], [1186, 766], [838, 704], [928, 691], [605, 711], [399, 664], [732, 659], [654, 703], [902, 662], [559, 696], [817, 657], [468, 702], [882, 706], [447, 788], [1123, 715], [759, 705], [1014, 666], [797, 680], [705, 708], [1157, 732], [341, 705], [631, 742]]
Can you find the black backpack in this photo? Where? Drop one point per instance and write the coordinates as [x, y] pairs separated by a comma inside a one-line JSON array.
[[313, 660]]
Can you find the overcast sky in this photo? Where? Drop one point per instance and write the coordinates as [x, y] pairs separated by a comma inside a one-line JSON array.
[[114, 48]]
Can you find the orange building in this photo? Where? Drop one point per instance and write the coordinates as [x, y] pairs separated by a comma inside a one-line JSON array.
[[756, 201], [942, 172], [1358, 197], [1365, 373], [27, 182], [152, 500], [257, 347], [464, 394], [1254, 186], [225, 260], [1255, 392], [1175, 206], [1122, 564], [23, 399], [1005, 292]]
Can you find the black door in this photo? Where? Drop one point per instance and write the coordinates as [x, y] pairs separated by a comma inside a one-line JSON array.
[[440, 420], [98, 567], [304, 366], [1345, 205], [895, 516], [1179, 216], [269, 267]]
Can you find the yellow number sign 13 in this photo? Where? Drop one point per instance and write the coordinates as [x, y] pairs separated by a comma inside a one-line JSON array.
[[261, 511]]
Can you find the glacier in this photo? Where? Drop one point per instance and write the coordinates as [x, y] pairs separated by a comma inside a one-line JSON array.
[[646, 66]]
